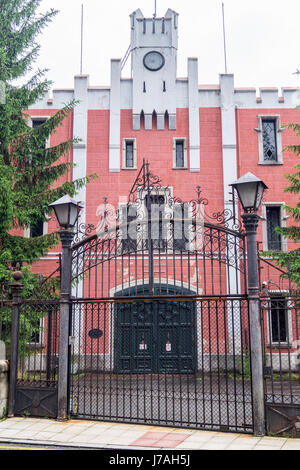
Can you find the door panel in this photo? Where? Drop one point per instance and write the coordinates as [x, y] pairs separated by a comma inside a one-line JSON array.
[[155, 336]]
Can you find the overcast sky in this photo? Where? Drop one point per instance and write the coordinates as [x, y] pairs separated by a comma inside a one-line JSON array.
[[263, 39]]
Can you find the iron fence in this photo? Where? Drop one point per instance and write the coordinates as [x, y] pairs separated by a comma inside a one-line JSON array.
[[280, 314], [167, 360], [281, 327], [38, 343]]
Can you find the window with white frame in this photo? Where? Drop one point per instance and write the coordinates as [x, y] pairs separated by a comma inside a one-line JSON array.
[[279, 319], [35, 121], [273, 216], [129, 154], [36, 229], [269, 140], [279, 328], [179, 153]]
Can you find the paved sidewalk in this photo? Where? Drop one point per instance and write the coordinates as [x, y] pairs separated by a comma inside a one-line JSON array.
[[123, 436]]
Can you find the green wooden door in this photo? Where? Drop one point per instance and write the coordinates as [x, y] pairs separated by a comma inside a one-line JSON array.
[[158, 336]]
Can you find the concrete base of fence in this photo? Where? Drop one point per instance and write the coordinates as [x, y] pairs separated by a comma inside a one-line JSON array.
[[4, 368]]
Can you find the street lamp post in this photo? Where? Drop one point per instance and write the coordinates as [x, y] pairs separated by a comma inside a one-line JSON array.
[[66, 210], [250, 190]]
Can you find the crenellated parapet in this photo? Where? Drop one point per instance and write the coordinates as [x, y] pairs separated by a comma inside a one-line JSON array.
[[208, 97]]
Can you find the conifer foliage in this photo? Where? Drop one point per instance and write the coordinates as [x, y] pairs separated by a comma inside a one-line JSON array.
[[28, 169]]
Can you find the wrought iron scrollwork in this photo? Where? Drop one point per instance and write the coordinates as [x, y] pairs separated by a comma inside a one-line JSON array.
[[83, 231], [154, 223]]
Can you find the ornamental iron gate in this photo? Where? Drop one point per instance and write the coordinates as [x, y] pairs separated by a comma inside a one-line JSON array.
[[159, 322], [36, 361]]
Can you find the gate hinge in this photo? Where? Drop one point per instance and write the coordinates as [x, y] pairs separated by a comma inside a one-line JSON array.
[[72, 340]]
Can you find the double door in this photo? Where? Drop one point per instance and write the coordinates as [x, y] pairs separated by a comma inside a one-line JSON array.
[[156, 336]]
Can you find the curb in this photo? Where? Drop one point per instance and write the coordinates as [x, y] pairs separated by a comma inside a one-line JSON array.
[[74, 446]]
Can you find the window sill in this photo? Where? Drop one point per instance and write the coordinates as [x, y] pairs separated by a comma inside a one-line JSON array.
[[274, 346], [131, 168], [180, 168], [270, 163]]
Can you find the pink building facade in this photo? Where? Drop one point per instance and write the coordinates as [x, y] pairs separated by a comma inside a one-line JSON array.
[[191, 135]]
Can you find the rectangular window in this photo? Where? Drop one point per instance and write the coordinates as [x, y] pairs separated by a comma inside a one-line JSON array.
[[273, 220], [37, 229], [129, 154], [158, 241], [279, 327], [37, 122], [180, 154], [179, 226], [269, 140], [130, 234]]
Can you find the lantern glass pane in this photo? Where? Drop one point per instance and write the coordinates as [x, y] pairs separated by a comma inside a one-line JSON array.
[[260, 192], [247, 193], [62, 212], [73, 215]]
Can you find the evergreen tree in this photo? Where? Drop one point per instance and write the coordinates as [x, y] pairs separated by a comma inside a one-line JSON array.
[[290, 260], [27, 168]]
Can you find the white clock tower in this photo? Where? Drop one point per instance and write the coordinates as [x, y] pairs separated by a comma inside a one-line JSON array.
[[154, 43]]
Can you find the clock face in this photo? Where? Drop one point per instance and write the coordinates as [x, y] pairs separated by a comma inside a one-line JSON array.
[[154, 61]]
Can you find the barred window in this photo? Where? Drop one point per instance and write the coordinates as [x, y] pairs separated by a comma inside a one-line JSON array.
[[279, 328]]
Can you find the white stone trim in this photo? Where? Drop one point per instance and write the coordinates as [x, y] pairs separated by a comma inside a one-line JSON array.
[[115, 116], [156, 280], [80, 129], [194, 119]]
